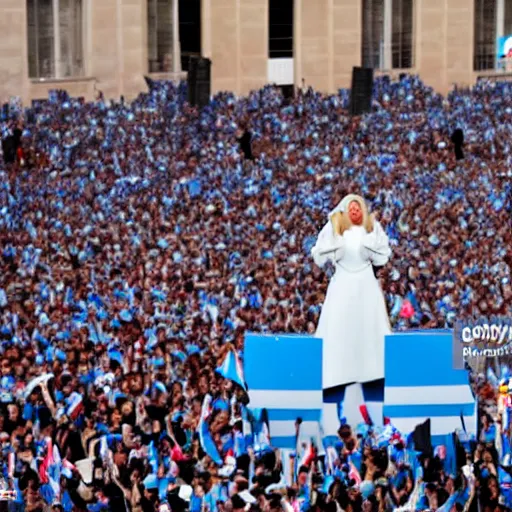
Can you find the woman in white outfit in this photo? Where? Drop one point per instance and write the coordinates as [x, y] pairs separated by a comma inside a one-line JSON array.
[[354, 318]]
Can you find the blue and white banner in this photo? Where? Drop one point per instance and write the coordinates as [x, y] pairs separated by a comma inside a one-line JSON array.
[[421, 383], [284, 376]]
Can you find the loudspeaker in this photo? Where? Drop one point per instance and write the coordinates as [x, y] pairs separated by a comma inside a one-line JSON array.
[[192, 80], [362, 89], [199, 82], [203, 84]]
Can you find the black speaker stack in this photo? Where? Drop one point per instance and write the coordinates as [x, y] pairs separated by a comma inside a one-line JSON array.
[[362, 89], [199, 82]]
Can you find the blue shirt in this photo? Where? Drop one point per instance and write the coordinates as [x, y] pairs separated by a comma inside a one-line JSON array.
[[304, 497]]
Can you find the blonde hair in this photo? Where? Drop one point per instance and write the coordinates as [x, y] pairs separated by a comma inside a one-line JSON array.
[[341, 221]]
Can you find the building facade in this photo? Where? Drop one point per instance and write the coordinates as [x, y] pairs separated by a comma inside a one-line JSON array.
[[88, 46]]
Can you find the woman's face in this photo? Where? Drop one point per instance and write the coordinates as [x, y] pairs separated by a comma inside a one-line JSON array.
[[162, 400], [355, 213], [176, 397], [487, 457], [127, 408], [6, 368], [13, 412], [203, 385], [134, 477], [116, 416]]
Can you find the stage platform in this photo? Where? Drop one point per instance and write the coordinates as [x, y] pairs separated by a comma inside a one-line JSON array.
[[284, 375]]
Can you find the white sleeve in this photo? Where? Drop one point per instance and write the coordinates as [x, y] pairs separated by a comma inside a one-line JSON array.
[[377, 245], [327, 247]]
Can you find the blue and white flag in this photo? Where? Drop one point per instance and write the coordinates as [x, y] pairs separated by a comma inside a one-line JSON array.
[[284, 376], [421, 383], [232, 369], [205, 437]]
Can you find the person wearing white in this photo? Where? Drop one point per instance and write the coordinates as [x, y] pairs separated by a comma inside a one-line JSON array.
[[354, 319]]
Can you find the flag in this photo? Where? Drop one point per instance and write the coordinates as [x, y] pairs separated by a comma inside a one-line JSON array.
[[75, 406], [366, 415], [331, 455], [194, 188], [231, 369], [177, 454], [205, 437], [353, 474], [284, 375], [49, 473], [413, 393], [68, 465], [309, 456], [37, 381], [11, 463], [46, 462], [422, 438], [385, 435]]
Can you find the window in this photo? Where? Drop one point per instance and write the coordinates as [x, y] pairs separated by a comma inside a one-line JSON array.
[[190, 31], [55, 38], [174, 34], [161, 37], [485, 35], [402, 23], [373, 33], [280, 29], [388, 34], [508, 18]]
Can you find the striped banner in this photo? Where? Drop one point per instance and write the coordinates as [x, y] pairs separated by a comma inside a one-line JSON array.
[[284, 375], [422, 383]]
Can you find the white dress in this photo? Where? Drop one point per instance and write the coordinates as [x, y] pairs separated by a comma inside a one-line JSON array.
[[354, 319]]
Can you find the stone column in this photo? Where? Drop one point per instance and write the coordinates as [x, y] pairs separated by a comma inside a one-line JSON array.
[[347, 37], [13, 51]]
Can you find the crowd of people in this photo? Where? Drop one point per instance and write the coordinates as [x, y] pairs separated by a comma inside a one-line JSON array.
[[138, 245]]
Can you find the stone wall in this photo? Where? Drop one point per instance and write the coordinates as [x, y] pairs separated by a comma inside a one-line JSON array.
[[327, 44]]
